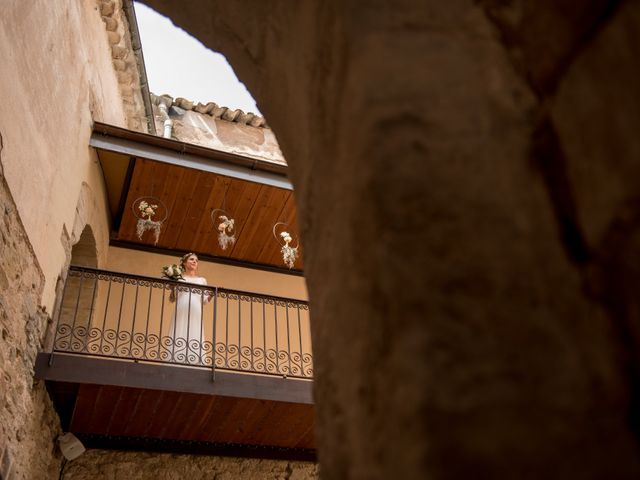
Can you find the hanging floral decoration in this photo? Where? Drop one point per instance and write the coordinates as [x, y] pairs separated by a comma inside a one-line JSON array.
[[225, 225], [289, 253], [151, 213]]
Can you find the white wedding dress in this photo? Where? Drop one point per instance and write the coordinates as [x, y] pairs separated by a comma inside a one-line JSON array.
[[186, 324]]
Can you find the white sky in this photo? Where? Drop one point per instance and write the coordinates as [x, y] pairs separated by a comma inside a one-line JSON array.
[[179, 65]]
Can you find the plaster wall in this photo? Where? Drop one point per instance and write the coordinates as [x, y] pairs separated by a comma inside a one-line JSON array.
[[227, 276], [57, 76]]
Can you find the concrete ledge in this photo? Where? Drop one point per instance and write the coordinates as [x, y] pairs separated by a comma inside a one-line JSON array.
[[125, 373]]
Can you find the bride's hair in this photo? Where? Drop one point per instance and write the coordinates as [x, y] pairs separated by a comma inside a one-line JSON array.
[[185, 257]]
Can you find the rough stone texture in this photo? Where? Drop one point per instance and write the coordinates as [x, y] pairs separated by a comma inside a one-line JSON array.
[[212, 131], [472, 319], [125, 63], [117, 465], [212, 109], [28, 421]]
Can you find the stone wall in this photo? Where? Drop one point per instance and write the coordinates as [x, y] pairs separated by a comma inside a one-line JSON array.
[[465, 177], [29, 424], [116, 465], [127, 67]]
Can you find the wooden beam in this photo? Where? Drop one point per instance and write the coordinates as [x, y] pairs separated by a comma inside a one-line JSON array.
[[191, 447], [126, 373], [114, 139]]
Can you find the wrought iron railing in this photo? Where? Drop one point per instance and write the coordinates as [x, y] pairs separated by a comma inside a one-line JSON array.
[[139, 318]]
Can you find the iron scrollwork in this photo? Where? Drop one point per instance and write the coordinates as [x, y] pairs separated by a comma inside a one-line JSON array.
[[133, 321]]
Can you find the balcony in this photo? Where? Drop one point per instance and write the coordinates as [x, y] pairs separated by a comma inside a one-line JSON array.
[[123, 371]]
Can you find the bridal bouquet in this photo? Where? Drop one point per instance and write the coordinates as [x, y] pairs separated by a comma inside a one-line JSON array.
[[172, 272]]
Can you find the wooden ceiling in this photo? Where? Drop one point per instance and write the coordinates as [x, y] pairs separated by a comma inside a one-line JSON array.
[[191, 195], [187, 416], [119, 412]]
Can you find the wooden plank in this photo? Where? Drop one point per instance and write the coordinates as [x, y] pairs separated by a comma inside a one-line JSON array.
[[85, 404], [255, 436], [223, 408], [174, 423], [174, 416], [234, 421], [205, 237], [271, 253], [143, 413], [260, 222], [198, 406], [197, 428], [272, 435], [255, 415], [168, 194], [157, 185], [241, 205], [308, 438], [196, 213], [124, 410], [149, 180], [259, 225], [103, 409], [180, 207], [153, 182], [298, 420], [127, 230], [166, 409], [273, 213]]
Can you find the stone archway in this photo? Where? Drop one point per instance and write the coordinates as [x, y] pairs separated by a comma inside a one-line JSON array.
[[454, 275], [88, 241], [78, 294]]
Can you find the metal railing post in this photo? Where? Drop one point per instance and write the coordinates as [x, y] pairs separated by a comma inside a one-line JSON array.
[[57, 320], [213, 347]]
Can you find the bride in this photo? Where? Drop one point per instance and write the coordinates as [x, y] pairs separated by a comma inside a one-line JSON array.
[[186, 324]]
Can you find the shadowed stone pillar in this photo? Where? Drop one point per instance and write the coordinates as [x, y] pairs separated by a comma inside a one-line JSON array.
[[456, 329]]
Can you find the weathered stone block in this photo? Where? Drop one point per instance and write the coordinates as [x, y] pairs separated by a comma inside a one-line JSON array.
[[152, 466]]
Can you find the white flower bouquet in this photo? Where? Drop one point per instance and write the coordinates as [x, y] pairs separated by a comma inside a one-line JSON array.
[[173, 272]]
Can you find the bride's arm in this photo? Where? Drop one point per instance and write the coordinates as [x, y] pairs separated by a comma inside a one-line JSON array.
[[208, 295]]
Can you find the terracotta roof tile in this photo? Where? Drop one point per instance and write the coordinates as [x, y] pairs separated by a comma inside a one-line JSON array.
[[212, 109]]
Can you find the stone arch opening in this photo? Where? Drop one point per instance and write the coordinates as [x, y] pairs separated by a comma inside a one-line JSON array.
[[78, 296]]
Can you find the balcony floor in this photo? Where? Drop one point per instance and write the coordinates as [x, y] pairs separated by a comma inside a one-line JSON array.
[[123, 404]]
